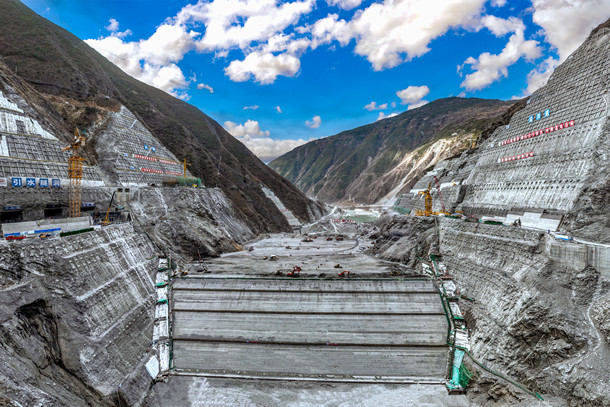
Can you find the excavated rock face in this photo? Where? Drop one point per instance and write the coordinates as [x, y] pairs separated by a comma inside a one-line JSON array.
[[538, 316], [403, 239], [76, 318], [531, 315], [189, 222]]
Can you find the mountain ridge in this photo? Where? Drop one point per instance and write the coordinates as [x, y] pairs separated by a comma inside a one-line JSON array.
[[344, 167]]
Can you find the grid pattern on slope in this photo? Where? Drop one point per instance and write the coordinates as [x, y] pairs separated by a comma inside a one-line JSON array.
[[41, 169], [35, 148]]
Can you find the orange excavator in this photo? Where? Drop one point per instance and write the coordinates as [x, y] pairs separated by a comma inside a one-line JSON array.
[[296, 270]]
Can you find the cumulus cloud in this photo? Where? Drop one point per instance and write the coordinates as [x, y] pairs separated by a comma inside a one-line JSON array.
[[239, 23], [391, 32], [413, 94], [153, 60], [382, 116], [253, 107], [500, 26], [264, 68], [259, 141], [201, 86], [374, 106], [314, 123], [255, 27], [268, 149], [344, 4], [489, 68], [567, 24], [279, 109], [250, 129]]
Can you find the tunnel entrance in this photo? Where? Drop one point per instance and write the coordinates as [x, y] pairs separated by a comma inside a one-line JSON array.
[[53, 211], [87, 207], [11, 214]]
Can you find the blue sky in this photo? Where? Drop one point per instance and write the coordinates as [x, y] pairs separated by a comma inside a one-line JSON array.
[[277, 74]]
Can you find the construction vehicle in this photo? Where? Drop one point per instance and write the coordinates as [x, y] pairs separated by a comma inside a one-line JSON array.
[[344, 273], [296, 270], [75, 173], [106, 221], [427, 202]]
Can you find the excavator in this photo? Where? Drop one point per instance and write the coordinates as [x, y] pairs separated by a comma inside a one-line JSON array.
[[296, 271]]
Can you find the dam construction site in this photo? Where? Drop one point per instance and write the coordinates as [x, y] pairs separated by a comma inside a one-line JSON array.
[[148, 258]]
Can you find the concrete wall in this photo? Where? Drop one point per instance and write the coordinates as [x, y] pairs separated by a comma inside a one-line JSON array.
[[576, 256]]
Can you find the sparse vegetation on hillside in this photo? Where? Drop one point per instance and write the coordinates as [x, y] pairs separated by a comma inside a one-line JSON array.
[[335, 167], [59, 65]]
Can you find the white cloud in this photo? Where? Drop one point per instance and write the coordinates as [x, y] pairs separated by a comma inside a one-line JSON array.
[[204, 86], [279, 109], [539, 76], [412, 94], [250, 129], [374, 106], [113, 26], [268, 149], [498, 3], [382, 116], [253, 107], [567, 23], [500, 26], [239, 23], [344, 4], [259, 141], [328, 29], [393, 31], [314, 123], [489, 68], [263, 67], [153, 60]]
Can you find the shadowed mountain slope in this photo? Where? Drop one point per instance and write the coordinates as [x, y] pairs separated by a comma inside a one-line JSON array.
[[382, 159], [63, 68]]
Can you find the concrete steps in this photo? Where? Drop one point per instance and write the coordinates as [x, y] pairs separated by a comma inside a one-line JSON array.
[[304, 329]]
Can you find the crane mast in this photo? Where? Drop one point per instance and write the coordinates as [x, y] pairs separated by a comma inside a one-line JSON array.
[[75, 174]]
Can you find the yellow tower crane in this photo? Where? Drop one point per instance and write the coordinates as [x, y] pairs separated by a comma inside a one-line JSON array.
[[75, 173], [427, 202], [185, 165]]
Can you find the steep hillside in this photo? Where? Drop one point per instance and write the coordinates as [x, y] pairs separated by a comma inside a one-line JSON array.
[[365, 164], [62, 69]]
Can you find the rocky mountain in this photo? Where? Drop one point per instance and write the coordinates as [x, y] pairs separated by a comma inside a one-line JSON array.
[[74, 86], [383, 159]]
